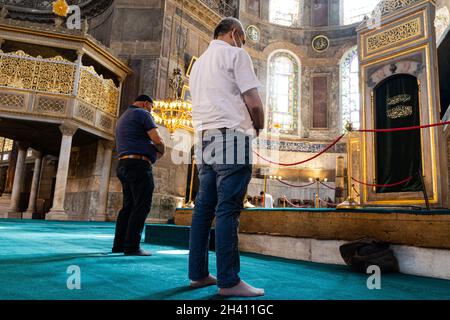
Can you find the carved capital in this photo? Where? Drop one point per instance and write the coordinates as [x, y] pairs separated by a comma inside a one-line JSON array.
[[22, 145], [107, 144], [80, 53], [68, 129]]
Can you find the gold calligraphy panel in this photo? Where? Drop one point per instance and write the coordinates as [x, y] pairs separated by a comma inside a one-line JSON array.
[[394, 35]]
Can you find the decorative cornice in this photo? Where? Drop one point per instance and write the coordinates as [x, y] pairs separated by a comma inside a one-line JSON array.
[[51, 32]]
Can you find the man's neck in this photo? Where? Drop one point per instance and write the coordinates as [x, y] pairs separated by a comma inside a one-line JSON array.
[[224, 40]]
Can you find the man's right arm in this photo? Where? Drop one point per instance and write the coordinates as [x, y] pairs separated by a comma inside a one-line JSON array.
[[157, 140], [255, 108]]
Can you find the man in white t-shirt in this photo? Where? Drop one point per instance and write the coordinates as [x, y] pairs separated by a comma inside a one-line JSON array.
[[267, 200], [227, 113]]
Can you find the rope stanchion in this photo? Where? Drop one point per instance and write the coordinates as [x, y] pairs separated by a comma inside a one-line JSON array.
[[384, 185], [304, 161], [294, 205], [354, 189], [404, 128], [294, 186], [328, 203]]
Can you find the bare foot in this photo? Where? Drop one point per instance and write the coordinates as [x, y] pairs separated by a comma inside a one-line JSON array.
[[208, 281], [242, 289]]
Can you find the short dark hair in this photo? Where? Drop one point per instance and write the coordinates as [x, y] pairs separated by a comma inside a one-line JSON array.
[[226, 25], [261, 193], [144, 98]]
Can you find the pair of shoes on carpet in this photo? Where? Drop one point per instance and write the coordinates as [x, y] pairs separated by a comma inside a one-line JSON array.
[[242, 289], [139, 252]]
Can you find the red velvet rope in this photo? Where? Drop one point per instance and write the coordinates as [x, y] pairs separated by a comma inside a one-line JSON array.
[[327, 186], [361, 130], [405, 128], [384, 185], [304, 161], [294, 186]]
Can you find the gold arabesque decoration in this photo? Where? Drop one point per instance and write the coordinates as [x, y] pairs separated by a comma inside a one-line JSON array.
[[57, 76], [389, 6], [100, 92], [22, 71]]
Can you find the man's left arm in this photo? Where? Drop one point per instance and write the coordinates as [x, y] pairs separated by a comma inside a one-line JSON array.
[[157, 140], [248, 84], [154, 134]]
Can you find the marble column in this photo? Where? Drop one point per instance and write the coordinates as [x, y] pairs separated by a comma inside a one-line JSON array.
[[108, 147], [10, 172], [19, 176], [34, 186], [58, 211]]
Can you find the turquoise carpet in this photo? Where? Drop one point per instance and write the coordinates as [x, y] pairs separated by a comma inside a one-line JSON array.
[[35, 255]]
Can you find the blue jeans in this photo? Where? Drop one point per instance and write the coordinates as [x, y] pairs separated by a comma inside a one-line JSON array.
[[221, 194]]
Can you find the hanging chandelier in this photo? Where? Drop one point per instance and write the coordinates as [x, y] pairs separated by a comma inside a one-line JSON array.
[[174, 113]]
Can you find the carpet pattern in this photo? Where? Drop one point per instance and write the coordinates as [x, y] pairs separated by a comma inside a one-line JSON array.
[[35, 256]]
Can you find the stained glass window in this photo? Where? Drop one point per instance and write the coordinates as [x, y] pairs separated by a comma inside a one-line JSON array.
[[350, 103], [283, 93], [285, 13], [353, 11]]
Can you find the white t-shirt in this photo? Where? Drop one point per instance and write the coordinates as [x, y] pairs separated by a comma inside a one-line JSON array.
[[268, 201], [217, 81]]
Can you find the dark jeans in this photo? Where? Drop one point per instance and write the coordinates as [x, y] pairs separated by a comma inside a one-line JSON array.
[[221, 193], [137, 183]]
